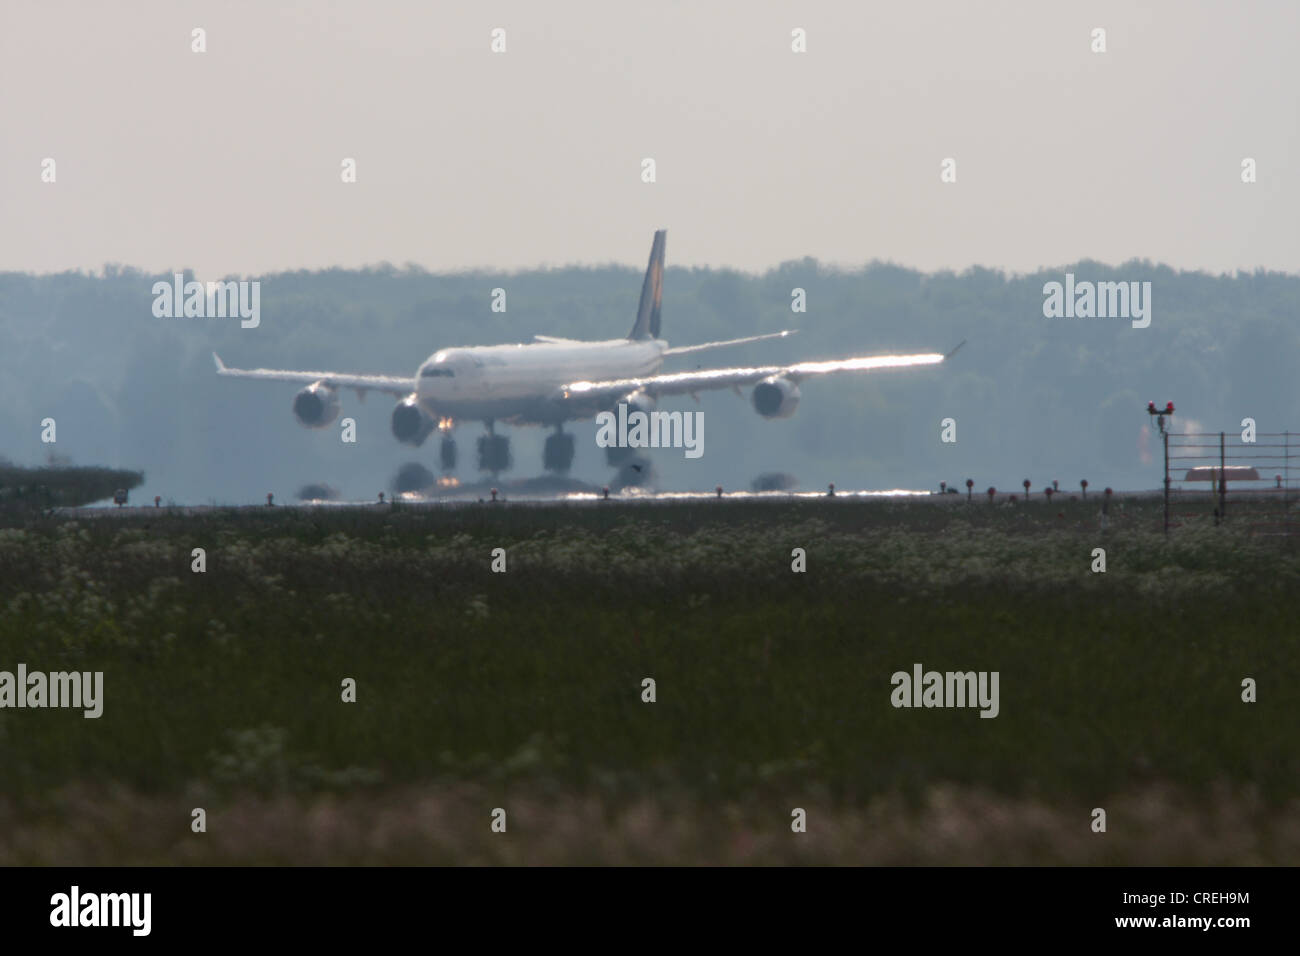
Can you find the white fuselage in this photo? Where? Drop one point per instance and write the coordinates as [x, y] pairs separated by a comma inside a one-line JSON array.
[[519, 383]]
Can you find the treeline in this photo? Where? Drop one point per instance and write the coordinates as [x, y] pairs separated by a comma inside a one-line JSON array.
[[54, 486], [1033, 397]]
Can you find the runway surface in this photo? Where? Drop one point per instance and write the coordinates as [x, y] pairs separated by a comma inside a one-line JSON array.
[[580, 499]]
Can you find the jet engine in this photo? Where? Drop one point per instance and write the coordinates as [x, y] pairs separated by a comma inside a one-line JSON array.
[[316, 406], [410, 424], [638, 401], [776, 397], [620, 456]]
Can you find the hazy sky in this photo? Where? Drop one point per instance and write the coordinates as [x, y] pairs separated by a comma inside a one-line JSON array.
[[229, 161]]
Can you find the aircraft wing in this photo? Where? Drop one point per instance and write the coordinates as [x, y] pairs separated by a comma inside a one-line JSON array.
[[393, 384], [688, 383], [683, 349]]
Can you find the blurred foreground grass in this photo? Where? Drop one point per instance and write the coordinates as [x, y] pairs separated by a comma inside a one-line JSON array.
[[522, 690]]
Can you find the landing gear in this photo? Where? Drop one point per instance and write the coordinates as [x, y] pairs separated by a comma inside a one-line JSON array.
[[558, 454], [447, 453], [494, 452]]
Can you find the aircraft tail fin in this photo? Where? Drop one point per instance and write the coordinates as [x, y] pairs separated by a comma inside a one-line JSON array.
[[652, 290]]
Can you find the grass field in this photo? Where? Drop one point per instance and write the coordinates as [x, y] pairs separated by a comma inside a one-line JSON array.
[[523, 690]]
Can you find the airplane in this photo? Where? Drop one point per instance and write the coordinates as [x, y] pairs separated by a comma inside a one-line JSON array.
[[553, 380]]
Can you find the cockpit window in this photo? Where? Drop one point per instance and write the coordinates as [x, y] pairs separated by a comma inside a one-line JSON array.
[[432, 371]]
